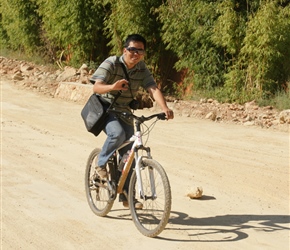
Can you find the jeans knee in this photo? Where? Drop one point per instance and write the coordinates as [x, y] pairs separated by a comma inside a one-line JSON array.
[[115, 136]]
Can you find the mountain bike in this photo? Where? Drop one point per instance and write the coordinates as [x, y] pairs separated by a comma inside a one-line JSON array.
[[148, 181]]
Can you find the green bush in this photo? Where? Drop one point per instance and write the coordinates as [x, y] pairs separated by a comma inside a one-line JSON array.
[[20, 25], [235, 51], [264, 60], [281, 100]]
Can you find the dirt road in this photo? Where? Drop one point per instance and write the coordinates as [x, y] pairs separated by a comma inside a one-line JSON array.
[[244, 172]]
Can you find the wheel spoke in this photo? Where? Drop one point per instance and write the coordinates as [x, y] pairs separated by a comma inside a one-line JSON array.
[[99, 195], [152, 219]]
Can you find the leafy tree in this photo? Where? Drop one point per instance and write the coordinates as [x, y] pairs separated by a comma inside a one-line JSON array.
[[73, 29], [4, 39], [239, 48], [20, 25], [139, 16], [264, 59], [187, 29]]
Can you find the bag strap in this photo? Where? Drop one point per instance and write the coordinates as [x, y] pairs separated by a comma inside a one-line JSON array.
[[127, 77], [117, 96], [115, 99], [125, 71]]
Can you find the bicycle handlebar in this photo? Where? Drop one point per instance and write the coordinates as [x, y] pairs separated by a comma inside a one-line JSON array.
[[160, 116]]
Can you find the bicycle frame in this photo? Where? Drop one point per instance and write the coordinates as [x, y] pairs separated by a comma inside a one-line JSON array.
[[137, 145], [147, 179]]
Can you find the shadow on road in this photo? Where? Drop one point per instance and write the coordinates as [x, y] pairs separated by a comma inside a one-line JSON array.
[[224, 228]]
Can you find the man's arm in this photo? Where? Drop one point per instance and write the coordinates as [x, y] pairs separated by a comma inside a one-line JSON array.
[[101, 88], [159, 98]]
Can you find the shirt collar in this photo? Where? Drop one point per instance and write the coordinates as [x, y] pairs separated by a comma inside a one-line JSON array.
[[136, 67]]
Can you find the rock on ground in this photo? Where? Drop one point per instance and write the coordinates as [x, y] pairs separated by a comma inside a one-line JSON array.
[[73, 84]]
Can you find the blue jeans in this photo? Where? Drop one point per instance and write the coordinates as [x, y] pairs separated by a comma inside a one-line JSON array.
[[117, 132]]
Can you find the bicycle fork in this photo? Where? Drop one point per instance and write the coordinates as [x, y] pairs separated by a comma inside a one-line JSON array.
[[138, 168]]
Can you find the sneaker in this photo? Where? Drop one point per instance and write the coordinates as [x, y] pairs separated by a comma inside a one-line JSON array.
[[138, 205], [102, 172], [125, 204]]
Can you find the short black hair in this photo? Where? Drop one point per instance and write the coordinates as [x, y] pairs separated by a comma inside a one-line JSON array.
[[135, 38]]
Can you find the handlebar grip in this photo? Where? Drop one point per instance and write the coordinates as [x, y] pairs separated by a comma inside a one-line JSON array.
[[162, 116]]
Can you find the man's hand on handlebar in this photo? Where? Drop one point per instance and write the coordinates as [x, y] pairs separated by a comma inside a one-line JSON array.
[[169, 114]]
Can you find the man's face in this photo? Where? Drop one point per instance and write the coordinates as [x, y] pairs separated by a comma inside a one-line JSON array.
[[134, 53]]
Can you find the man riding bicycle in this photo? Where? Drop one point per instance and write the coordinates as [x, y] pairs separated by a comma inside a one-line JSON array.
[[108, 80]]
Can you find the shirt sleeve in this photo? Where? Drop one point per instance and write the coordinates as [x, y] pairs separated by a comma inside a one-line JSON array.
[[148, 80], [105, 71]]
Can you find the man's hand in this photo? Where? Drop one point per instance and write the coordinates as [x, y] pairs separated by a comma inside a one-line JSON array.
[[121, 85], [169, 113], [159, 98], [101, 88]]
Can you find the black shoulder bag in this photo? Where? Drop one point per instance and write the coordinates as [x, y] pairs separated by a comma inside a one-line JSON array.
[[94, 113]]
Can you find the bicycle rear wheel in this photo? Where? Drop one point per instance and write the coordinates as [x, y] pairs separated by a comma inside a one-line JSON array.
[[153, 217], [100, 194]]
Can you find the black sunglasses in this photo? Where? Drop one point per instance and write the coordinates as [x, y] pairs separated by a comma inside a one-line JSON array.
[[135, 50]]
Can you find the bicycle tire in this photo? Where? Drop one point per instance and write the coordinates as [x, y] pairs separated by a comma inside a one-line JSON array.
[[98, 195], [153, 217]]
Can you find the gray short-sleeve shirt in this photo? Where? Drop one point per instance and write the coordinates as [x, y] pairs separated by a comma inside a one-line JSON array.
[[111, 71]]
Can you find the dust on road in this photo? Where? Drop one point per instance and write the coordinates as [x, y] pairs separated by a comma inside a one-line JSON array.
[[244, 173]]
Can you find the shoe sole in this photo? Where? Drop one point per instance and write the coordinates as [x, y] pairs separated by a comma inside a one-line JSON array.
[[139, 207], [101, 173]]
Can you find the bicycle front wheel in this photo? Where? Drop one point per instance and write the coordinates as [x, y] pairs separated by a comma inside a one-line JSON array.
[[100, 195], [153, 217]]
